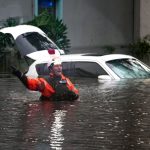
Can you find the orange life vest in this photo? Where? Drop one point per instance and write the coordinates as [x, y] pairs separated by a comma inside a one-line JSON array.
[[53, 87]]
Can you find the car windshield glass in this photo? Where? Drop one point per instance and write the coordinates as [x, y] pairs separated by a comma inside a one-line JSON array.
[[128, 68], [32, 42]]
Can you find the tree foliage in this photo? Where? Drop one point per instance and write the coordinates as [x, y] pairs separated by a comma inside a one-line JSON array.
[[10, 22], [54, 28], [141, 47], [5, 40]]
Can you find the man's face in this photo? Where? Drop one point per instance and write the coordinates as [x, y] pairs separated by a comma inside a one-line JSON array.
[[57, 70]]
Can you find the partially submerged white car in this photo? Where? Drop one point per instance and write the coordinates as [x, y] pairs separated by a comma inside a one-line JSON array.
[[105, 67], [35, 46], [30, 40]]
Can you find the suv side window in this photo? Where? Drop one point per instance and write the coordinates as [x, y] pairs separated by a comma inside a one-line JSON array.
[[82, 69]]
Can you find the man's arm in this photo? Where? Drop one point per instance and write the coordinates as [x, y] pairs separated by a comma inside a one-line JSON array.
[[73, 91], [22, 77], [32, 84]]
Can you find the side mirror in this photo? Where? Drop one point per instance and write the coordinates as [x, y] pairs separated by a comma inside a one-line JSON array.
[[104, 77]]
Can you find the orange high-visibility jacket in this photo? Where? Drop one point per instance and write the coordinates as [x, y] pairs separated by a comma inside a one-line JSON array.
[[49, 87]]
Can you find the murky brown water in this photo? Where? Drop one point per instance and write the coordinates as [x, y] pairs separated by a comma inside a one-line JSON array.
[[113, 115]]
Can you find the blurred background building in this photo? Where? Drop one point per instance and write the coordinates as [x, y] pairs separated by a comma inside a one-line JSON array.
[[91, 23]]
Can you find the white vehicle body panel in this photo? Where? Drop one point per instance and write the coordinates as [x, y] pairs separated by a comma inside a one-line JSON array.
[[100, 60], [21, 29], [16, 31]]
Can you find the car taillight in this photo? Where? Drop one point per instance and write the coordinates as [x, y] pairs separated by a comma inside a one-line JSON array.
[[51, 51]]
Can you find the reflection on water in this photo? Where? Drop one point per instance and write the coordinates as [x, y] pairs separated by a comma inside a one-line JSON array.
[[44, 124], [56, 137], [113, 115]]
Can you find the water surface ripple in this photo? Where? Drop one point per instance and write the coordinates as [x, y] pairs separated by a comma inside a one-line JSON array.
[[113, 115]]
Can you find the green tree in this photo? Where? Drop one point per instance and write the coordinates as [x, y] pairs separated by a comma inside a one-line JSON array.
[[6, 42], [54, 28], [141, 47], [10, 22]]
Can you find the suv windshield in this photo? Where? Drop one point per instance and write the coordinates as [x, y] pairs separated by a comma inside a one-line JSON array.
[[32, 42], [128, 68]]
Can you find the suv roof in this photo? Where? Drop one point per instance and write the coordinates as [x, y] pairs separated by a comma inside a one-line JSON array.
[[93, 56], [20, 29]]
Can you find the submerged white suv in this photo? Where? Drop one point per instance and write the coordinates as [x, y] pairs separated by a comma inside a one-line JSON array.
[[103, 67]]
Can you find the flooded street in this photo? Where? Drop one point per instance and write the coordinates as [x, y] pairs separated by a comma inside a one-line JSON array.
[[112, 115]]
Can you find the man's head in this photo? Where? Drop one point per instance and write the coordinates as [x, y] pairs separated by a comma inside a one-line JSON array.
[[55, 67]]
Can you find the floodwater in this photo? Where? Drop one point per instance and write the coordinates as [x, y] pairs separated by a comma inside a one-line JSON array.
[[111, 115]]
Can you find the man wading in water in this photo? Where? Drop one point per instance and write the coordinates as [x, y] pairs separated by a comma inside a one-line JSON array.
[[53, 87]]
